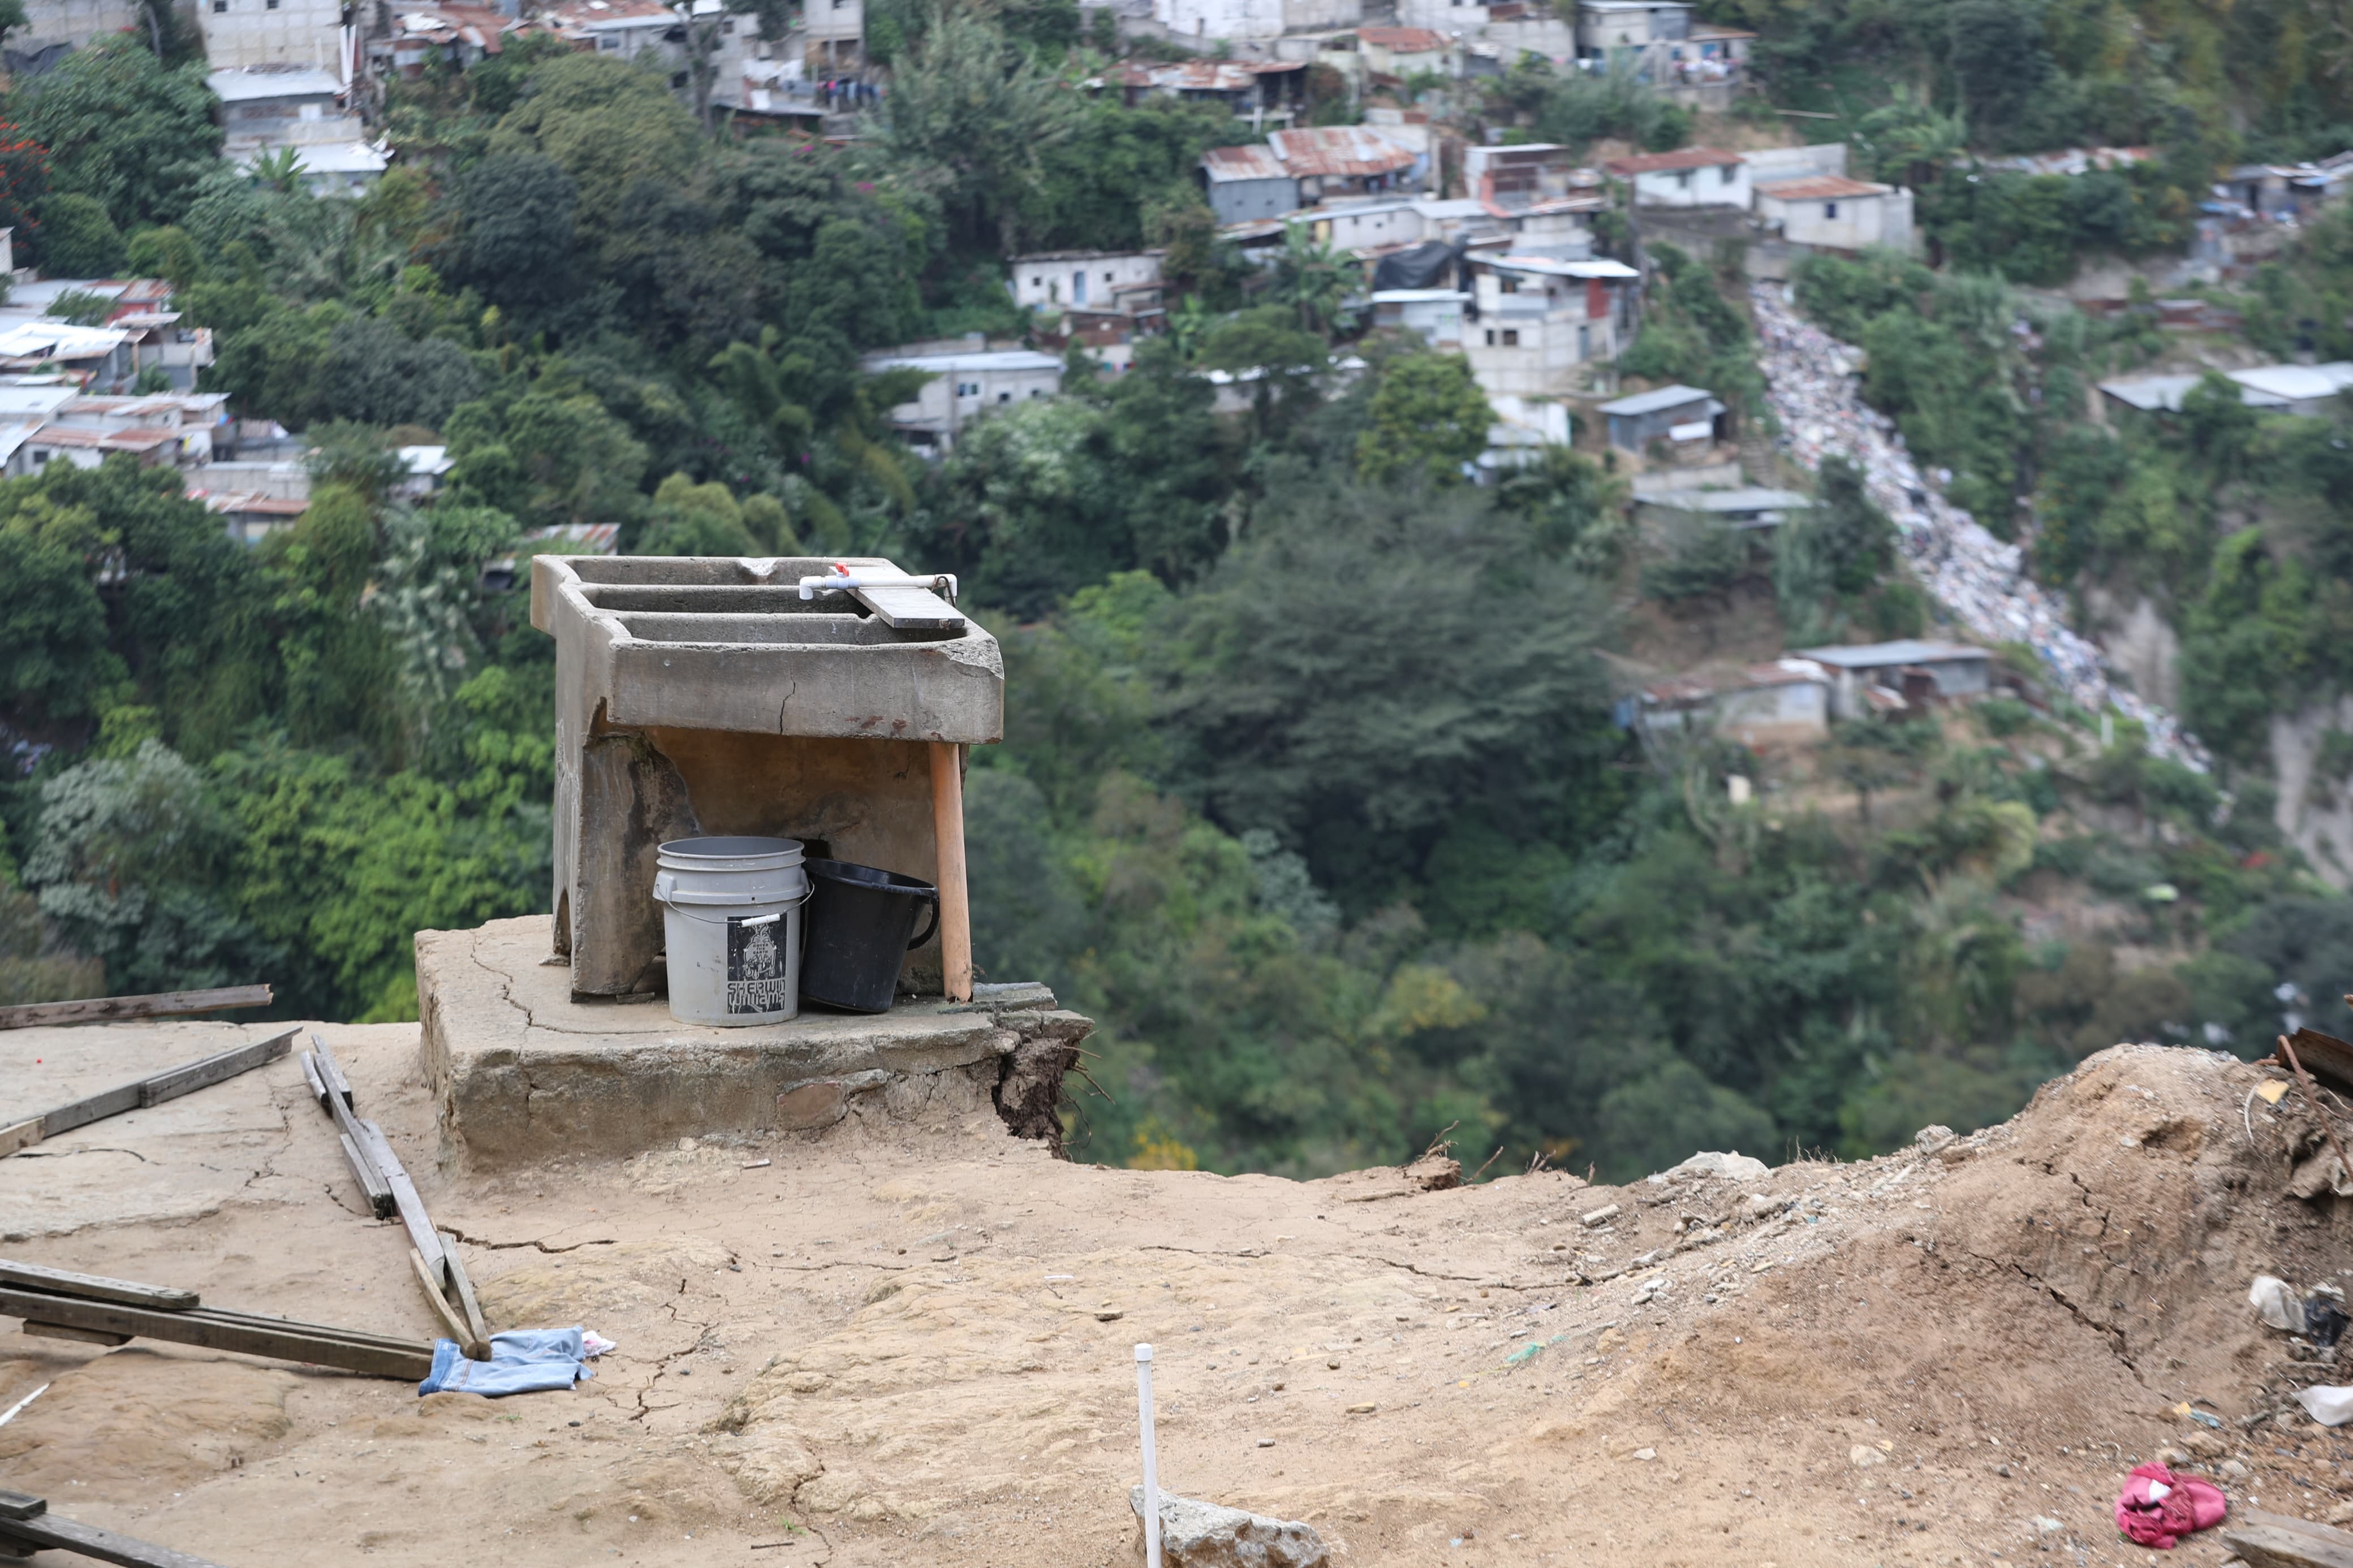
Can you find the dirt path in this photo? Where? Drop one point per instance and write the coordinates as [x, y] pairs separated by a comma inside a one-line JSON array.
[[890, 1346]]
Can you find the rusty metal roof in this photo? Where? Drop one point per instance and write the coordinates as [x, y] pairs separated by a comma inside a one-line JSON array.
[[1347, 151], [1245, 164], [1820, 188], [1404, 40], [1659, 162]]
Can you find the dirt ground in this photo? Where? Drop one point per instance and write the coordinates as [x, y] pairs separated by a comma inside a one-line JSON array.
[[913, 1345]]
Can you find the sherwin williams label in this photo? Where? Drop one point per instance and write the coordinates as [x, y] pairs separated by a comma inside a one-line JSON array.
[[755, 965]]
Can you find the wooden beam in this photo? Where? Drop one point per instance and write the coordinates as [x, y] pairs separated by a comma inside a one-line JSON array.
[[947, 831], [210, 1328], [154, 1090], [20, 1505], [2279, 1540], [468, 1304], [19, 1135], [114, 1009], [328, 1086], [330, 1073], [53, 1533], [96, 1287]]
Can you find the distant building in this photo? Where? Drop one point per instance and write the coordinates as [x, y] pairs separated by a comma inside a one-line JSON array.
[[966, 383], [54, 28], [1435, 315], [289, 33], [653, 35], [835, 37], [1264, 92], [1392, 55], [276, 106], [2306, 389], [1331, 160], [1260, 20], [1912, 673], [1744, 507], [1679, 415], [1830, 212], [1088, 279], [459, 36], [1693, 177], [1786, 702], [1541, 320], [1248, 184], [1646, 29]]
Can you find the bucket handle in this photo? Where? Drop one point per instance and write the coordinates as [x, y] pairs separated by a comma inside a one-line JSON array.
[[931, 896]]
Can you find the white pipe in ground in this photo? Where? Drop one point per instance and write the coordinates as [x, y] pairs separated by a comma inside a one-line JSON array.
[[1151, 1465]]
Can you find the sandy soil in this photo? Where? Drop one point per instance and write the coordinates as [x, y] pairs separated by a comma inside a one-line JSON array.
[[896, 1345]]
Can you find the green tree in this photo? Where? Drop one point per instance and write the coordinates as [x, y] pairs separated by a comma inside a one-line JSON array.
[[126, 130], [77, 238], [1428, 420], [972, 104]]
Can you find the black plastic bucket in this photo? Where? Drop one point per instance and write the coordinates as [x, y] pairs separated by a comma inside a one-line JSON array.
[[862, 925]]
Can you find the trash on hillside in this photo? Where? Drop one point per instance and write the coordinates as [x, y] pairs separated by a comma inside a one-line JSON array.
[[2327, 1404], [2324, 1320], [2276, 1304], [2157, 1508], [533, 1360]]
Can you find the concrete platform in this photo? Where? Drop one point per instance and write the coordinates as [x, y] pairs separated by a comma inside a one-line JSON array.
[[522, 1073]]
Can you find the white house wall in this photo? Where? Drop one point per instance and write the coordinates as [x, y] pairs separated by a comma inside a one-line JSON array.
[[1725, 186], [75, 22], [261, 33]]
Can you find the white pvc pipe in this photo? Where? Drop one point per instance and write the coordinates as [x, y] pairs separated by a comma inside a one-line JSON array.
[[1151, 1464]]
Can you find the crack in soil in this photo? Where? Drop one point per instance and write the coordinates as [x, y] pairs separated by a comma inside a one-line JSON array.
[[68, 1153], [485, 1242], [2114, 1335]]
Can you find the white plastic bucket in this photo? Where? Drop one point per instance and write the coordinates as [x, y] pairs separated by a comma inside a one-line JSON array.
[[731, 921]]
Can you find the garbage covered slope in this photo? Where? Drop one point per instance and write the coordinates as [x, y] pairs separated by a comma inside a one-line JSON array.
[[1981, 580]]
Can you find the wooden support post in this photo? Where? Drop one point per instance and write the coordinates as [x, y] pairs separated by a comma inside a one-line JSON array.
[[947, 828]]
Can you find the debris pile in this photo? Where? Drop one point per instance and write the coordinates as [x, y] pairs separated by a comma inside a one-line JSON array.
[[1980, 579]]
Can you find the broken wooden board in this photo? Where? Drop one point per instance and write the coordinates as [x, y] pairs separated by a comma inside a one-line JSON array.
[[35, 1528], [96, 1287], [909, 609], [2325, 1056], [2278, 1541], [154, 1090], [115, 1009], [211, 1328], [328, 1086]]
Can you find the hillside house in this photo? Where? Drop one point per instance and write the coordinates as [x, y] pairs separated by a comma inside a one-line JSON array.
[[1679, 415], [284, 33], [1894, 676], [1247, 184], [1338, 161], [1087, 280], [1693, 177], [2306, 389], [1785, 702], [1264, 92], [1541, 321], [1255, 19], [1396, 55], [1830, 212], [1645, 29], [968, 381]]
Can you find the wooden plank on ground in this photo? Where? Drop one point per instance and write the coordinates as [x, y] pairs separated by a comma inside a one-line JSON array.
[[174, 1082], [2278, 1541], [333, 1091], [96, 1287], [114, 1009], [210, 1328], [20, 1505], [411, 1208], [82, 1336], [97, 1108], [468, 1304], [19, 1135], [330, 1071], [373, 1186], [53, 1533]]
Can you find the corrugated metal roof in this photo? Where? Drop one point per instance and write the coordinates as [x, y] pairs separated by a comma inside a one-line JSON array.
[[246, 86], [1886, 655], [1345, 152], [1652, 402], [1661, 163], [1244, 163]]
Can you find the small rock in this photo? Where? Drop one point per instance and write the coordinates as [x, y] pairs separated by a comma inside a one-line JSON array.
[[1109, 1315], [1362, 1409], [2341, 1514], [1734, 1166], [1756, 1205], [1205, 1535], [2002, 1471], [2205, 1445], [2173, 1458], [1266, 1442], [1601, 1215], [2232, 1468], [1862, 1456], [1933, 1140], [2048, 1525], [1332, 1366], [1645, 1453], [1435, 1172]]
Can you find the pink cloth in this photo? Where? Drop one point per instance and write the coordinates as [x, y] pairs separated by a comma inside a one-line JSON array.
[[2185, 1504]]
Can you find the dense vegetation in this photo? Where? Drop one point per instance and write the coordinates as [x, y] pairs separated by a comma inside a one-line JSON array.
[[1312, 791]]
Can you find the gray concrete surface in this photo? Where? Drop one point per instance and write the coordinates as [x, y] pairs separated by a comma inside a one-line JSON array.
[[523, 1072]]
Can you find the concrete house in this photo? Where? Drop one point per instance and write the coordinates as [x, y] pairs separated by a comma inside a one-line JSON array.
[[1830, 212], [1786, 702], [2306, 389], [1541, 321], [1646, 29], [278, 107], [1086, 279], [1247, 184], [1894, 676], [1258, 19], [277, 32], [1392, 55], [1679, 415], [1693, 177], [967, 383], [1264, 92], [834, 32]]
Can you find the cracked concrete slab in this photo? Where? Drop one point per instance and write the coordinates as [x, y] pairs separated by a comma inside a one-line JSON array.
[[522, 1072]]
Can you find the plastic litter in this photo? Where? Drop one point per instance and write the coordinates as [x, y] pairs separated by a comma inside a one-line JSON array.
[[2327, 1404], [2276, 1304], [2323, 1320], [2157, 1508], [1980, 579]]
